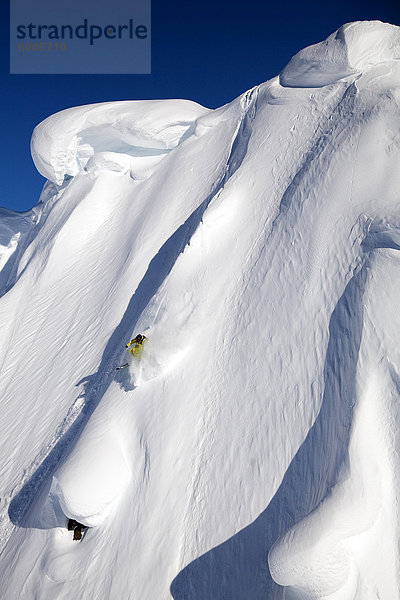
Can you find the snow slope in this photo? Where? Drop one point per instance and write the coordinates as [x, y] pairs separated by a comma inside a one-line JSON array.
[[252, 451]]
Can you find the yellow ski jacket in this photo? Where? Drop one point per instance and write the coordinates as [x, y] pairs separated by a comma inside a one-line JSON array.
[[135, 347]]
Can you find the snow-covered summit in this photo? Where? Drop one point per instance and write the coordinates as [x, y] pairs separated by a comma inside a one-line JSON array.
[[252, 451], [352, 49]]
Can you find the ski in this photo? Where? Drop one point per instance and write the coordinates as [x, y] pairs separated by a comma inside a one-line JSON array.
[[122, 366]]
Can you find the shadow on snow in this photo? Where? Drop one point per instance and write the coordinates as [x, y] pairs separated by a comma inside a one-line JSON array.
[[238, 568]]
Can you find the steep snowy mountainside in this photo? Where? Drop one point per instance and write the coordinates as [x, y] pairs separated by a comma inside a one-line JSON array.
[[252, 451]]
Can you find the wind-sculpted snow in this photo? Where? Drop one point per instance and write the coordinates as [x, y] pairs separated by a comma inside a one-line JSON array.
[[63, 144], [251, 451], [88, 499], [345, 548], [351, 50]]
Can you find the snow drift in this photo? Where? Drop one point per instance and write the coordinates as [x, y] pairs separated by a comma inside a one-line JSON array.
[[252, 452]]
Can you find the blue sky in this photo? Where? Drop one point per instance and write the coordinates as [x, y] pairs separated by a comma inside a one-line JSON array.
[[210, 52]]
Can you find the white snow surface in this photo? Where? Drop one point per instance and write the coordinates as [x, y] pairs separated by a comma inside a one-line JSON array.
[[252, 452]]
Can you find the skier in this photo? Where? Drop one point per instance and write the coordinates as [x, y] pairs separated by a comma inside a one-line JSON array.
[[77, 528], [135, 347]]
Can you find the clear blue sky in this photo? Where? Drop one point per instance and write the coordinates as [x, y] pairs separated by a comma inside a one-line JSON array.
[[209, 51]]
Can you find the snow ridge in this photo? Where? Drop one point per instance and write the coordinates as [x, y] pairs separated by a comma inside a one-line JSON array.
[[351, 50]]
